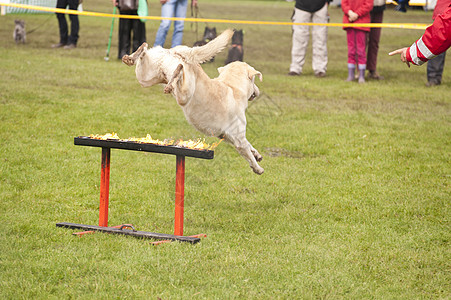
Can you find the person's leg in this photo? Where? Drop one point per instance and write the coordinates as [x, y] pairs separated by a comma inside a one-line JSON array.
[[62, 22], [299, 41], [319, 42], [435, 69], [125, 27], [402, 5], [74, 24], [373, 45], [361, 37], [167, 11], [139, 34], [180, 12], [350, 38]]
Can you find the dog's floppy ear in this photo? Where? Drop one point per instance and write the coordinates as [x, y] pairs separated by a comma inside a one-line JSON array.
[[252, 72]]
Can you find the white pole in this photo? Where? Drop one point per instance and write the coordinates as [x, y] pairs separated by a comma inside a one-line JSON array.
[[3, 8]]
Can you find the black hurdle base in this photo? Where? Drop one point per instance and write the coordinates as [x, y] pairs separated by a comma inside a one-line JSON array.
[[134, 233]]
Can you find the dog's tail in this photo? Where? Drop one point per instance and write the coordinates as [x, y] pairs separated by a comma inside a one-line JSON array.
[[208, 51]]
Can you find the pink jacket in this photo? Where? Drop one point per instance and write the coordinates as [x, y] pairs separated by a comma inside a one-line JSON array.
[[360, 7], [435, 40]]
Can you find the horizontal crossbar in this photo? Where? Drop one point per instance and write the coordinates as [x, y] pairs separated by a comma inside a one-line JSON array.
[[139, 234], [136, 146]]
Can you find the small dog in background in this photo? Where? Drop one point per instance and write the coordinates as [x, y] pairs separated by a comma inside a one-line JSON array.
[[19, 33], [209, 34], [236, 51]]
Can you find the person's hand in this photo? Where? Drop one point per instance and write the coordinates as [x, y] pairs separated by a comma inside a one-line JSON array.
[[163, 1], [403, 52], [352, 16]]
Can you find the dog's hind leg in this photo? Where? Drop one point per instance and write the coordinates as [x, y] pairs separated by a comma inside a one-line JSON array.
[[130, 60]]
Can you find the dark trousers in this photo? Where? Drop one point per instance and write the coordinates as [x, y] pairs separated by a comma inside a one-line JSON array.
[[373, 41], [126, 27], [435, 68], [65, 38]]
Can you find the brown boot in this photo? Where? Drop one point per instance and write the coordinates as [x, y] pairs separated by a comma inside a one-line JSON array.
[[375, 76]]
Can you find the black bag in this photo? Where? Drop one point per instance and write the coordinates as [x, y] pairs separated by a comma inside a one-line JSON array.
[[127, 5]]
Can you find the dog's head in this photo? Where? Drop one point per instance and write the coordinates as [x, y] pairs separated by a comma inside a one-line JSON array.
[[237, 38], [19, 23], [209, 34], [149, 69], [243, 73]]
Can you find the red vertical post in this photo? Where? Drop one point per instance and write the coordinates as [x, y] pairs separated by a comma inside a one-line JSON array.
[[104, 187], [179, 195]]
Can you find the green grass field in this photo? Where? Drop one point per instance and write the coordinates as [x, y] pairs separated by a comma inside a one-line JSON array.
[[354, 202]]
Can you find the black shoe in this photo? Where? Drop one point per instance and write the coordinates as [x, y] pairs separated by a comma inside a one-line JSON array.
[[401, 8], [432, 83], [320, 74], [293, 74]]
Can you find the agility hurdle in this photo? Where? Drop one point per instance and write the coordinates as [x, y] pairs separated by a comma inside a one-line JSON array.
[[180, 154]]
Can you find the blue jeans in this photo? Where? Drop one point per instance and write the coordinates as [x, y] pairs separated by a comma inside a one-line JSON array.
[[172, 8]]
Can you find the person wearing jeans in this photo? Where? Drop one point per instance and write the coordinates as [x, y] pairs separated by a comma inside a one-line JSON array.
[[67, 41], [170, 9]]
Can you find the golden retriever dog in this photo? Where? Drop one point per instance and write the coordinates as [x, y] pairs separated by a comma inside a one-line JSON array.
[[215, 107]]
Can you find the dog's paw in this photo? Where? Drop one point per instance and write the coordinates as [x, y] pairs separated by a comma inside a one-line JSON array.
[[258, 170], [258, 157], [168, 89], [126, 59]]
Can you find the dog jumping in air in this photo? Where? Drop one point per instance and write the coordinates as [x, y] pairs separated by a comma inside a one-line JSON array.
[[215, 107]]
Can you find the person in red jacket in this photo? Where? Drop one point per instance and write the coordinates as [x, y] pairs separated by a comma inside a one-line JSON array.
[[356, 11], [435, 40], [434, 70]]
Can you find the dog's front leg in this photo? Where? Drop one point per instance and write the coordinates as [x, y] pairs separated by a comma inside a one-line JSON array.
[[257, 155], [174, 79], [130, 60], [178, 86], [246, 150]]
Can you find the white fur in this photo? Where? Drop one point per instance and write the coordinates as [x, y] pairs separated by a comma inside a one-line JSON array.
[[215, 107]]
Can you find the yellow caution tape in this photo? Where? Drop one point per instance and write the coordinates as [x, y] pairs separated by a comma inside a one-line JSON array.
[[244, 22]]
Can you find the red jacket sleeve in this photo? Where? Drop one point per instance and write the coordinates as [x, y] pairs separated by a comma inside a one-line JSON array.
[[435, 40], [345, 6], [364, 8]]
